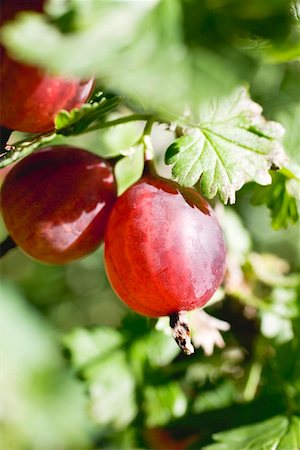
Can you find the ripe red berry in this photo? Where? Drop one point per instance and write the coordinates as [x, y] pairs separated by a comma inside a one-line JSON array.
[[164, 249], [56, 202], [30, 98]]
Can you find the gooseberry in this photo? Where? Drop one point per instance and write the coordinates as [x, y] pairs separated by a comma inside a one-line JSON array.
[[31, 98], [13, 103], [56, 202], [164, 250]]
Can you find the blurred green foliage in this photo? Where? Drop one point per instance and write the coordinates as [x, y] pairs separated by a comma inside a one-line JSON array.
[[80, 371]]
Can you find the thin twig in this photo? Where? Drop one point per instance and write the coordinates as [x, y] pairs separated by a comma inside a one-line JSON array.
[[119, 121], [7, 245]]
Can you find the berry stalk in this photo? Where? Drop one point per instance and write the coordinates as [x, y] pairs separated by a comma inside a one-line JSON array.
[[181, 332]]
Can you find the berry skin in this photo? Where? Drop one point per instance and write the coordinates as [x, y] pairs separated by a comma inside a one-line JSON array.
[[56, 202], [30, 98], [164, 249]]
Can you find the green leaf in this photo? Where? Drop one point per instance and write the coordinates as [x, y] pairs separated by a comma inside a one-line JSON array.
[[135, 47], [281, 198], [266, 435], [276, 323], [220, 397], [99, 357], [273, 271], [89, 346], [129, 169], [119, 140], [290, 119], [231, 145], [288, 49], [36, 389], [157, 348], [112, 391], [291, 440], [162, 403], [160, 348], [78, 120]]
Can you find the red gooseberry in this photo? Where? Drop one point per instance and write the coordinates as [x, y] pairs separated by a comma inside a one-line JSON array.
[[56, 202]]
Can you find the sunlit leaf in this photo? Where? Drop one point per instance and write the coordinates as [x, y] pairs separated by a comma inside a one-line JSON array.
[[292, 438], [265, 435], [231, 145], [78, 120], [129, 169]]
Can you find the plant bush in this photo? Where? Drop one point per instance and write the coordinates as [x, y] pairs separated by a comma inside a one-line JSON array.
[[211, 91]]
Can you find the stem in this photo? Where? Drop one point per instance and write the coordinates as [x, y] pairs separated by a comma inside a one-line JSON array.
[[119, 121], [149, 125], [181, 332], [253, 381], [29, 140], [146, 139], [6, 245], [20, 146]]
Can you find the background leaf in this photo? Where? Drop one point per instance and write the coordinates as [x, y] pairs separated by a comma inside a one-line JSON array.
[[34, 382], [144, 39], [280, 199]]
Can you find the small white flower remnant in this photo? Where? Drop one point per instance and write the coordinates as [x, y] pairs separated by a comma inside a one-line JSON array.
[[206, 331]]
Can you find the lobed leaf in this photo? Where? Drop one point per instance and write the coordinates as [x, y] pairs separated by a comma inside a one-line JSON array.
[[292, 439], [78, 120], [231, 145], [277, 433]]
